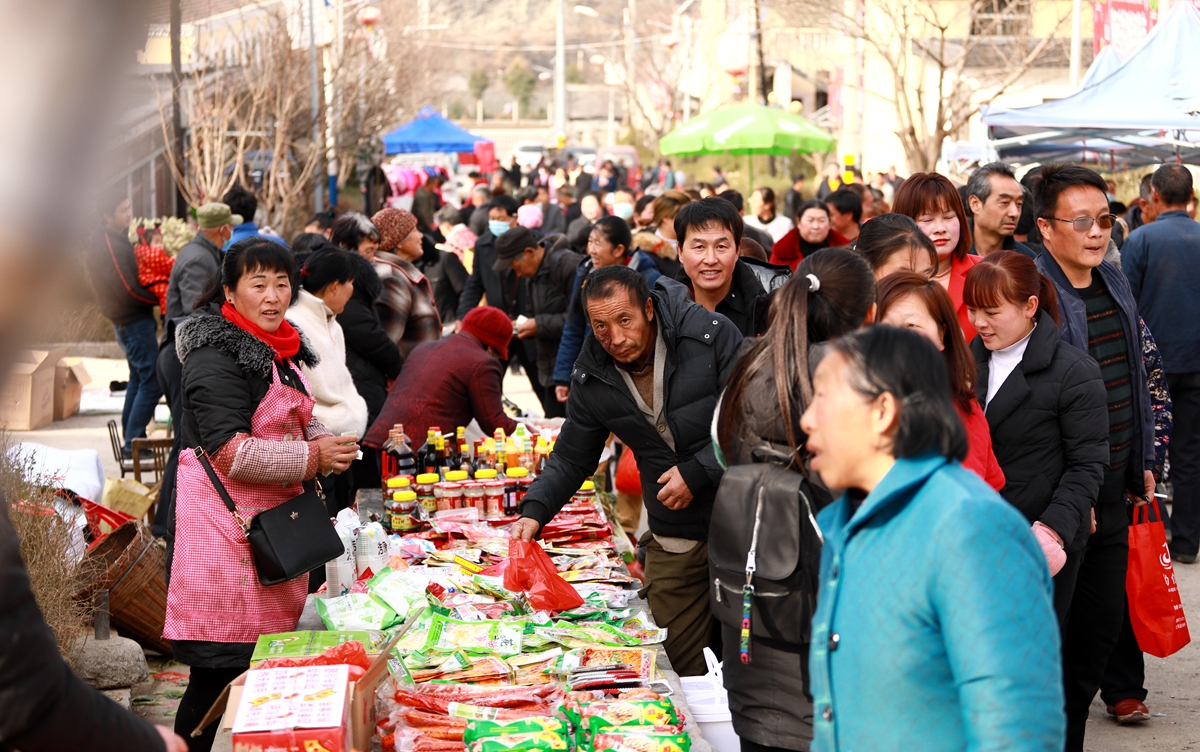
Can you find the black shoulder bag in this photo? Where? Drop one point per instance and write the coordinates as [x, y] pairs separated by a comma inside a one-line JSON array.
[[763, 565], [292, 539]]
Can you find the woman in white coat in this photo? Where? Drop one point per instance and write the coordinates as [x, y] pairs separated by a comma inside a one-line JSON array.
[[326, 283]]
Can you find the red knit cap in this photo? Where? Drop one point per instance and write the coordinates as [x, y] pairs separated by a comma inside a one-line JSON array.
[[491, 326], [394, 225]]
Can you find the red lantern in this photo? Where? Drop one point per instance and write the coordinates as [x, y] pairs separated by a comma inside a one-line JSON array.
[[369, 16]]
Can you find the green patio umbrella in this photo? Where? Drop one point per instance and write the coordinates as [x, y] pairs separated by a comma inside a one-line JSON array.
[[746, 129]]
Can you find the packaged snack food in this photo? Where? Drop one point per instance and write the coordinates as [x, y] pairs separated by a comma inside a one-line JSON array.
[[630, 740], [539, 742], [356, 611], [500, 637], [484, 729]]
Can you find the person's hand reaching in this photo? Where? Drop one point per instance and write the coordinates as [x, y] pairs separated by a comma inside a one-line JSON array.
[[675, 493], [525, 528]]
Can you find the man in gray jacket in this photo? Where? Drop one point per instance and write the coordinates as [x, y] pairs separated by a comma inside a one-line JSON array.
[[200, 259]]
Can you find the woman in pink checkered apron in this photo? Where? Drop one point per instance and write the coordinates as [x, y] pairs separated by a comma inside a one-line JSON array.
[[247, 405]]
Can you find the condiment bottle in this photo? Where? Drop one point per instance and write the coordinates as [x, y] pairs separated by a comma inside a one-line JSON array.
[[513, 490], [425, 494], [493, 493], [404, 502], [473, 496]]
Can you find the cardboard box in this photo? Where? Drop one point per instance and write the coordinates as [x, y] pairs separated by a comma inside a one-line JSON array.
[[27, 400], [294, 710], [70, 377], [360, 702]]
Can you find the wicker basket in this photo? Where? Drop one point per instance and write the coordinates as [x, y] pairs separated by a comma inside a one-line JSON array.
[[132, 566]]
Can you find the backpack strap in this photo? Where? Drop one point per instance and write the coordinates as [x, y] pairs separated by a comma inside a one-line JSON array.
[[748, 589]]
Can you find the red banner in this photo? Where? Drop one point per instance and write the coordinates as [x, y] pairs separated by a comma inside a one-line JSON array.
[[1122, 24]]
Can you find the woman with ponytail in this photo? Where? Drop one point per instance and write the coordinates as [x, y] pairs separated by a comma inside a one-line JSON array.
[[248, 409], [1046, 405], [831, 294]]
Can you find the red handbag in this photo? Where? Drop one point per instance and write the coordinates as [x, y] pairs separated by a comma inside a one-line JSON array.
[[1155, 610]]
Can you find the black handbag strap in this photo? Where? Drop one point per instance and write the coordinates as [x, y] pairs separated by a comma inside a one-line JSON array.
[[217, 484]]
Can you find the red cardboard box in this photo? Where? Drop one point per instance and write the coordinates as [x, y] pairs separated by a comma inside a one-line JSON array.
[[304, 709], [352, 735]]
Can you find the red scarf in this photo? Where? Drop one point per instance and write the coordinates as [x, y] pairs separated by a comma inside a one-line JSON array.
[[285, 341]]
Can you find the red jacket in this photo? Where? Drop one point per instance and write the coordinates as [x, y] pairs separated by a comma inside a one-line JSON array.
[[958, 279], [787, 250], [444, 383], [980, 458]]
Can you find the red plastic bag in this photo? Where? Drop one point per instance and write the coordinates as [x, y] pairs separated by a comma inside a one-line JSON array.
[[629, 478], [531, 571], [1155, 610]]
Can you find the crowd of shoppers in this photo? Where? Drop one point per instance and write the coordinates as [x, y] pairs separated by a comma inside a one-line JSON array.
[[1020, 420]]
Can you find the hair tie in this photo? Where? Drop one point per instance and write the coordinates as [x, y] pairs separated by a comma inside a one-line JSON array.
[[814, 284], [304, 272]]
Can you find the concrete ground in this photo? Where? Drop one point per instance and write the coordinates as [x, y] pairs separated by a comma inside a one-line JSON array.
[[1173, 683]]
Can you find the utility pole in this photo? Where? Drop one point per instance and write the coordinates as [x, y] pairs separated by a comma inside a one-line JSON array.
[[176, 31], [318, 191], [758, 43], [334, 54], [560, 74], [1076, 42]]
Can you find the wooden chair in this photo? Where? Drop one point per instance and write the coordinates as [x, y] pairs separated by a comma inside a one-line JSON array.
[[158, 451], [145, 463]]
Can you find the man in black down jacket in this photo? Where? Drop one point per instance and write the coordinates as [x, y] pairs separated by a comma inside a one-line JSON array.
[[651, 371], [46, 707], [551, 275], [504, 290]]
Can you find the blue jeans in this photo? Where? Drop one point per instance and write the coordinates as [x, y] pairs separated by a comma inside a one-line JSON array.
[[141, 351]]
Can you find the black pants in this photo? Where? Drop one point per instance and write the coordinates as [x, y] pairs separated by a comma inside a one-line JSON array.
[[1125, 674], [1064, 587], [749, 746], [1184, 452], [1094, 622], [170, 379], [203, 689]]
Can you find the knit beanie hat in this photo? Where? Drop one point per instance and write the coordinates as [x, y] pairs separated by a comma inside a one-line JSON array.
[[394, 225], [491, 326], [530, 215]]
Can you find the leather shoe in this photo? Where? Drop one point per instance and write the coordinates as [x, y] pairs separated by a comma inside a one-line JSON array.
[[1129, 711]]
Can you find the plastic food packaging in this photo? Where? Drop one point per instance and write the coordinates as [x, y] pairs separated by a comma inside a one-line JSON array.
[[355, 611], [631, 740], [372, 549], [536, 742], [481, 729], [531, 571], [340, 573]]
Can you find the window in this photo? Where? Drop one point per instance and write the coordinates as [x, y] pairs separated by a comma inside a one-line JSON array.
[[1001, 18]]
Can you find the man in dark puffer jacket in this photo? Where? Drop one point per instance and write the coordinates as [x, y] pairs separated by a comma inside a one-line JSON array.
[[650, 371]]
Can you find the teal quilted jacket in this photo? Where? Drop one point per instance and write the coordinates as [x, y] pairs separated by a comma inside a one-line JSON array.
[[934, 628]]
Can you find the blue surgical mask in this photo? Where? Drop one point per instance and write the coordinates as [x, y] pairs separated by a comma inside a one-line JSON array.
[[624, 211], [498, 228]]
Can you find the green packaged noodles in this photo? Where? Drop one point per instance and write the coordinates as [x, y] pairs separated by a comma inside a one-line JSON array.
[[356, 611], [539, 742], [504, 638], [485, 729], [634, 739]]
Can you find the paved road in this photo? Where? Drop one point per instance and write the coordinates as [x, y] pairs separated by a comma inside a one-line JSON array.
[[1174, 686]]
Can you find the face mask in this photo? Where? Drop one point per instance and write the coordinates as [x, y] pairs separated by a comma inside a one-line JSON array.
[[624, 211], [498, 228]]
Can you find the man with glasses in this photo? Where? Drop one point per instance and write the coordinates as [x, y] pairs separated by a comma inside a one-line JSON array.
[[1099, 316]]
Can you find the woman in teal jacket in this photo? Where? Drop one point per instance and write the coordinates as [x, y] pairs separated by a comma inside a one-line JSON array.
[[934, 628]]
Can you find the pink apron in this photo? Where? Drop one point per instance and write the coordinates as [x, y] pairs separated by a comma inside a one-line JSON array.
[[214, 593]]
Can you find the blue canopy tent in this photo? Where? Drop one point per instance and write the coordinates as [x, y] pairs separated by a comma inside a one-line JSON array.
[[429, 132], [1144, 111]]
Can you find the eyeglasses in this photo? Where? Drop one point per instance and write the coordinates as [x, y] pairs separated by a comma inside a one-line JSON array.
[[1083, 224]]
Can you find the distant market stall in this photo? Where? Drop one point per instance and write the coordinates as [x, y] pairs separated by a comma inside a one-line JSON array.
[[1159, 122], [747, 129]]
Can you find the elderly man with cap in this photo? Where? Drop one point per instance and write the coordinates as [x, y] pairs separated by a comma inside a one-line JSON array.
[[407, 308], [549, 265], [451, 381], [200, 259]]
